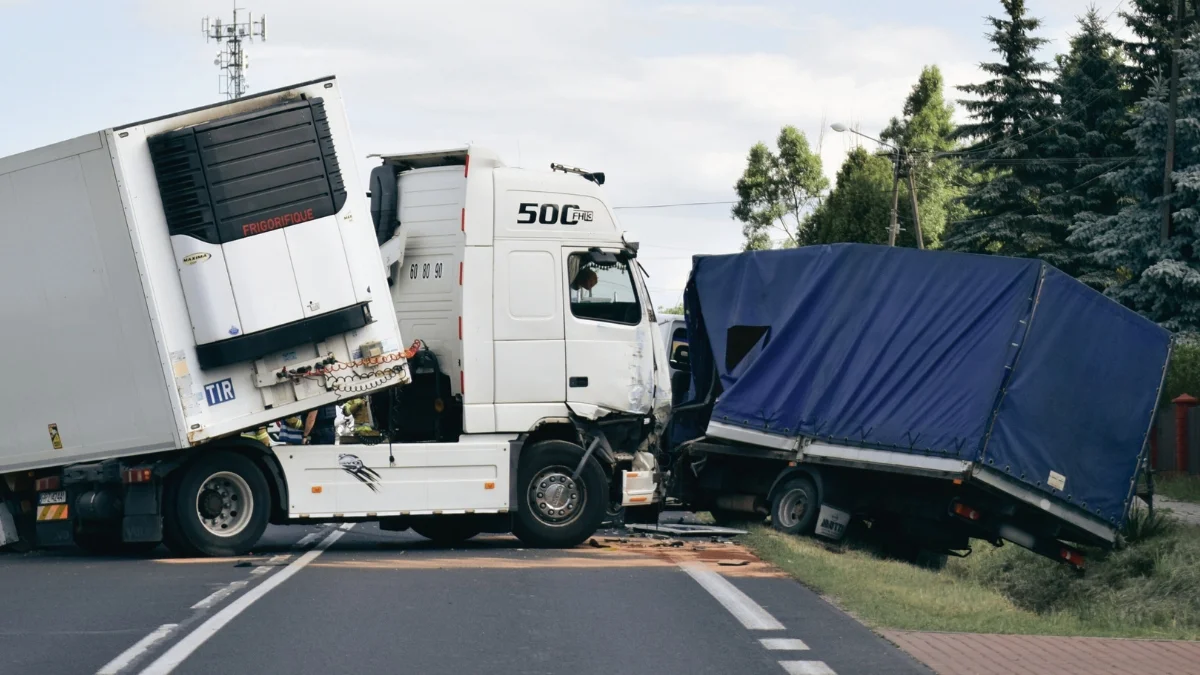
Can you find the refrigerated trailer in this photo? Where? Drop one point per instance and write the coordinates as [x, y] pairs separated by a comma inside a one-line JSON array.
[[934, 397], [174, 283]]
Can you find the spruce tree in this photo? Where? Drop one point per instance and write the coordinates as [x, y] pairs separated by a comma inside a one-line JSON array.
[[1160, 280], [1012, 116], [1089, 140], [1149, 53]]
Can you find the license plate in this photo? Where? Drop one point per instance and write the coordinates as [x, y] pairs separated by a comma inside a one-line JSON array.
[[56, 497]]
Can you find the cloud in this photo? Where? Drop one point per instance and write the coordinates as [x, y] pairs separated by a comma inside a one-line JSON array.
[[665, 97]]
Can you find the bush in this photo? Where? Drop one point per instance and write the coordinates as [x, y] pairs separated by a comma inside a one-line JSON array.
[[1183, 375]]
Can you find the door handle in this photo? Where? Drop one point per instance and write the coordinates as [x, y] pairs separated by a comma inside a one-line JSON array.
[[577, 382]]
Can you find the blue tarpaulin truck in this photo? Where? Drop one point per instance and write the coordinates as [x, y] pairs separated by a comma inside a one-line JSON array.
[[936, 397]]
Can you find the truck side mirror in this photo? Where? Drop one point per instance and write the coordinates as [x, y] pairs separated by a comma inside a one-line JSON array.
[[384, 200]]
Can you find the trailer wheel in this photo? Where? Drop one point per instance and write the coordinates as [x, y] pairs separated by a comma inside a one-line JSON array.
[[446, 530], [219, 506], [794, 507], [557, 509]]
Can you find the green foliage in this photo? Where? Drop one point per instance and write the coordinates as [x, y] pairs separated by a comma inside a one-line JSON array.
[[677, 309], [1183, 375], [1149, 54], [927, 128], [1010, 113], [859, 208], [1159, 280], [777, 191], [1181, 486], [1091, 131], [1150, 588]]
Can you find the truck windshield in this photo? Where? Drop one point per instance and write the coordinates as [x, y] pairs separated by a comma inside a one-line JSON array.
[[603, 292]]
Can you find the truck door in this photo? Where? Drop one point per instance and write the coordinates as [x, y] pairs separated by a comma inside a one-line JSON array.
[[609, 346]]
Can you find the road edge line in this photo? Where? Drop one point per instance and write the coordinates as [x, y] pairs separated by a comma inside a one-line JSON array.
[[180, 651]]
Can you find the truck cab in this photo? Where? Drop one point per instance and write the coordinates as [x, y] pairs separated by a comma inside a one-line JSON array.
[[531, 303]]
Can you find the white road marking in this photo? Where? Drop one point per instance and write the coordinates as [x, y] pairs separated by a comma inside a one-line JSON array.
[[784, 644], [279, 559], [806, 668], [260, 570], [219, 595], [306, 540], [750, 613], [347, 526], [193, 640], [127, 657]]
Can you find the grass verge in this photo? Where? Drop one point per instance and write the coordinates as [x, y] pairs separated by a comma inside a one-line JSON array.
[[1151, 589], [1178, 486]]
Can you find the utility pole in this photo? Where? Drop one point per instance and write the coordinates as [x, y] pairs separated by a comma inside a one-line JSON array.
[[894, 225], [232, 60], [1172, 108], [912, 192]]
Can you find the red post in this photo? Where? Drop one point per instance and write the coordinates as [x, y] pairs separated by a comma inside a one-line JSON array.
[[1182, 403]]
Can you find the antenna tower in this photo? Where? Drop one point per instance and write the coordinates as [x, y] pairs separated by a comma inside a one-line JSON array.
[[232, 60]]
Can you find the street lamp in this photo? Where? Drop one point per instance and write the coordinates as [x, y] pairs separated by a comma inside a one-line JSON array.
[[894, 226]]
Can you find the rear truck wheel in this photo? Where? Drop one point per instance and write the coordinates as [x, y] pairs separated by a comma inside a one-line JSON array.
[[558, 509], [219, 506], [446, 530], [794, 507]]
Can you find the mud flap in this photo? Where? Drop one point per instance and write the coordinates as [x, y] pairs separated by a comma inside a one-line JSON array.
[[832, 522], [8, 527]]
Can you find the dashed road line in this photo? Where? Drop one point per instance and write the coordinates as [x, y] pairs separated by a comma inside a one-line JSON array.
[[220, 594], [140, 647], [307, 539], [745, 610], [806, 668], [784, 644], [184, 648]]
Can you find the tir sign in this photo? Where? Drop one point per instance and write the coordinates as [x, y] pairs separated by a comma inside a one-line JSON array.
[[219, 392]]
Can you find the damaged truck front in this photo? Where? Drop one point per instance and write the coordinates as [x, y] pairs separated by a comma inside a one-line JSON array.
[[932, 397]]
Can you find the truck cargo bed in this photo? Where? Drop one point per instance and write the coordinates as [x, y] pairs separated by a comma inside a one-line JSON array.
[[1032, 382]]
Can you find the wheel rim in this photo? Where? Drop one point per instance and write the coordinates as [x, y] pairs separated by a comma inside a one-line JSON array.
[[792, 508], [224, 504], [557, 498]]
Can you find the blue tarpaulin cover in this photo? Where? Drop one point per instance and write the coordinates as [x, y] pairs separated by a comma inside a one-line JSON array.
[[1003, 361]]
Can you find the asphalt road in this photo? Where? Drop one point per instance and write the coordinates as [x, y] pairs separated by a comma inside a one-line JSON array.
[[332, 600]]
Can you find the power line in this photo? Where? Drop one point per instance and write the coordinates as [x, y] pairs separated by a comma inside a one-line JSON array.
[[671, 206]]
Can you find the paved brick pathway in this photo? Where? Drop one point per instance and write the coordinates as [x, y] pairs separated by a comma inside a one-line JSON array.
[[977, 654]]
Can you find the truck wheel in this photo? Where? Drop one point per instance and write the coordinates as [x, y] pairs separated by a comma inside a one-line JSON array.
[[555, 509], [794, 508], [218, 506], [446, 530]]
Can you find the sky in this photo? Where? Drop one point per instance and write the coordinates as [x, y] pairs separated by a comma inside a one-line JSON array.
[[665, 97]]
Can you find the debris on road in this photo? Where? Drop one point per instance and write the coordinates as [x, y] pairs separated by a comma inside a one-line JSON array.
[[686, 530]]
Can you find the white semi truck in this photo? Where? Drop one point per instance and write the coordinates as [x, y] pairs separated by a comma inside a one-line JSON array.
[[172, 284]]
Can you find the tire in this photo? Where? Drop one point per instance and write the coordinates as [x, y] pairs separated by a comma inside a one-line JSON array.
[[794, 507], [446, 530], [220, 483], [544, 484]]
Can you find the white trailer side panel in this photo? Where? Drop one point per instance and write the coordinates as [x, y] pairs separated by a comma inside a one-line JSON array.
[[76, 341]]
